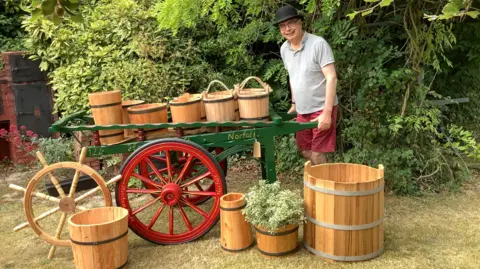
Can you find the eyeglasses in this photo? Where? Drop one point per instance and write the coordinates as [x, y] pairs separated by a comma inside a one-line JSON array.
[[289, 23]]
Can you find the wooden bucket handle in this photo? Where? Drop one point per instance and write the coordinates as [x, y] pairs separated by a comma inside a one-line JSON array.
[[265, 86], [221, 83]]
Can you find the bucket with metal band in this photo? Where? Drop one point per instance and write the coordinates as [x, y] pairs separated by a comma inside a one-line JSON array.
[[149, 113], [344, 208], [126, 119], [203, 116], [253, 103], [219, 106], [107, 110], [186, 108], [235, 233], [99, 238], [281, 242]]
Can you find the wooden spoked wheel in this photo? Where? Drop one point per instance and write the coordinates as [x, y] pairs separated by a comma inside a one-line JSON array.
[[160, 210], [178, 163], [66, 204]]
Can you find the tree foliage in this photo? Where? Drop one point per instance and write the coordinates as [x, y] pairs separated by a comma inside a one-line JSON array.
[[392, 59]]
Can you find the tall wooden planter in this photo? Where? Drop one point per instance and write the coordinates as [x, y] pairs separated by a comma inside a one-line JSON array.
[[344, 207], [235, 233]]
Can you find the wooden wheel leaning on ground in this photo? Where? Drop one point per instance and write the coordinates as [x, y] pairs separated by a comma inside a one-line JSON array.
[[67, 203]]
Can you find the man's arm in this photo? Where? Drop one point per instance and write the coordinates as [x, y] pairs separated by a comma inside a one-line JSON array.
[[331, 87]]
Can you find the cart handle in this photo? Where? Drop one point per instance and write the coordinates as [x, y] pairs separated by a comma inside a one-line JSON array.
[[265, 86], [64, 121]]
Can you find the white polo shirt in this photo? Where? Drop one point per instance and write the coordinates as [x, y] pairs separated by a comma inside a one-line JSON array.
[[304, 67]]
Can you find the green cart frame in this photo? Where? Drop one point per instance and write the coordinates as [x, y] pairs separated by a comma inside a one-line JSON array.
[[185, 162]]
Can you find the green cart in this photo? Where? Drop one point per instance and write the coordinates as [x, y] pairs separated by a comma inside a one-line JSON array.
[[182, 173]]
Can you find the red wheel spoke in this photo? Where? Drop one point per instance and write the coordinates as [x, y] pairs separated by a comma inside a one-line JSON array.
[[159, 170], [198, 186], [206, 174], [203, 193], [185, 218], [146, 205], [146, 180], [150, 163], [185, 168], [158, 158], [170, 220], [143, 191], [196, 208], [169, 164], [155, 217]]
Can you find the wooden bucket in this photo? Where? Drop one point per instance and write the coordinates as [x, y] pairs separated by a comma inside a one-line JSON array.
[[149, 113], [99, 238], [203, 116], [281, 242], [344, 211], [106, 110], [186, 108], [235, 233], [253, 103], [219, 106], [126, 119], [235, 101]]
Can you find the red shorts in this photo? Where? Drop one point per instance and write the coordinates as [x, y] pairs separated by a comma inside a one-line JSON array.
[[315, 140]]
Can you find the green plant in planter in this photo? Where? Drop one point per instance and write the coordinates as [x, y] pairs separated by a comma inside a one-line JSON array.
[[271, 207]]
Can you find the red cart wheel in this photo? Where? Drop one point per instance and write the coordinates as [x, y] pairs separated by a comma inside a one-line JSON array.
[[177, 165], [167, 190]]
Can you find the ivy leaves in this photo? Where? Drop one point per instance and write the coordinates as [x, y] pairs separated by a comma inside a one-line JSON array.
[[55, 10]]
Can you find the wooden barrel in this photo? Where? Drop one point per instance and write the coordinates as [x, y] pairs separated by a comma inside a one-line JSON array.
[[149, 113], [344, 211], [99, 238], [203, 116], [126, 119], [235, 233], [107, 109], [253, 103], [219, 106], [281, 242], [186, 108]]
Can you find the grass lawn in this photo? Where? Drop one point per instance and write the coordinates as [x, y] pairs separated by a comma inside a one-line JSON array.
[[434, 231]]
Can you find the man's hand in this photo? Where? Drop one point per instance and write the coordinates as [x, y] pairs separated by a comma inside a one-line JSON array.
[[292, 109], [324, 121]]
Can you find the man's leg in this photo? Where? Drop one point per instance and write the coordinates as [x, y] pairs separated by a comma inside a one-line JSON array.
[[318, 158], [304, 138], [307, 154], [324, 141]]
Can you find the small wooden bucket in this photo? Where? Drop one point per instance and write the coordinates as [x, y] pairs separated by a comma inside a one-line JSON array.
[[235, 233], [203, 116], [126, 119], [219, 106], [235, 101], [149, 113], [99, 238], [107, 109], [253, 103], [186, 108], [344, 207], [281, 242]]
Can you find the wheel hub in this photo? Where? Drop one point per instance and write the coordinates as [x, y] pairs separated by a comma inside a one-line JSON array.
[[67, 205], [171, 194]]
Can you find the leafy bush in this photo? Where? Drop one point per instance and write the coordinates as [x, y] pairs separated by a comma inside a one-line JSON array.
[[55, 149], [116, 47], [270, 207]]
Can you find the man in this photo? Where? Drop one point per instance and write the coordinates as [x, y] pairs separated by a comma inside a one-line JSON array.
[[309, 61]]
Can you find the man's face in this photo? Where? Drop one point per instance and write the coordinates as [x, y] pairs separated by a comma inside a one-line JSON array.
[[291, 29]]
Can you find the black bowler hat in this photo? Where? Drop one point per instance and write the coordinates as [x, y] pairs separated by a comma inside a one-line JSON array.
[[285, 13]]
